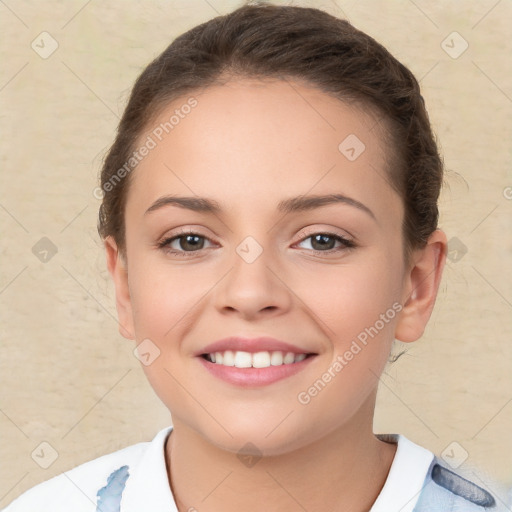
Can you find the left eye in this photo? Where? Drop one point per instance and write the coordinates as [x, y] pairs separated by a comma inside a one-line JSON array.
[[324, 242]]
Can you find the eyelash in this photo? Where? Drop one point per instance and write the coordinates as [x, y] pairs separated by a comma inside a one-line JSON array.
[[346, 243]]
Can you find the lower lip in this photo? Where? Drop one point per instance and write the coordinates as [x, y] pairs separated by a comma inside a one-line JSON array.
[[251, 377]]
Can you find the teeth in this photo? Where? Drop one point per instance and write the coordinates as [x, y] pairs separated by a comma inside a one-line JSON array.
[[242, 359], [276, 359], [289, 358], [261, 360], [228, 358]]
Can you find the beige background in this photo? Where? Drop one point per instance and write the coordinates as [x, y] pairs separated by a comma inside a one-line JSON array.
[[69, 379]]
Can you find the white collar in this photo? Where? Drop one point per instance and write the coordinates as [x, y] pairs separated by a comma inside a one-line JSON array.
[[406, 476], [148, 488]]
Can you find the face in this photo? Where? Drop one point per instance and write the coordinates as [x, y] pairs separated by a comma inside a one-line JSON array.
[[326, 277]]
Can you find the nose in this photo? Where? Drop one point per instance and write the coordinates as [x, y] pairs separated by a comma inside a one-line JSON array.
[[254, 288]]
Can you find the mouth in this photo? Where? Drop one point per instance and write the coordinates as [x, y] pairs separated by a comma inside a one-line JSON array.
[[263, 359], [253, 362]]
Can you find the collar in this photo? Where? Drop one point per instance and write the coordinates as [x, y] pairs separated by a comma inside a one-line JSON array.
[[406, 476], [148, 488]]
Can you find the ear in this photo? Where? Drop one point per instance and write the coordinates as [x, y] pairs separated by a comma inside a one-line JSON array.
[[118, 270], [420, 287]]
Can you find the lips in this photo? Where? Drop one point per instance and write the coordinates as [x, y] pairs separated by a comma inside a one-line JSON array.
[[252, 345], [253, 362]]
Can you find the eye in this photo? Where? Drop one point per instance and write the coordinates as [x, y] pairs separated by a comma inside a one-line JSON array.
[[325, 242], [185, 242]]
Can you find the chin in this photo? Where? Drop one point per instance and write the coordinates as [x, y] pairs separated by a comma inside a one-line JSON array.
[[257, 437]]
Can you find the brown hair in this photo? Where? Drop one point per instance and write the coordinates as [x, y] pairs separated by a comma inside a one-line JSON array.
[[306, 44]]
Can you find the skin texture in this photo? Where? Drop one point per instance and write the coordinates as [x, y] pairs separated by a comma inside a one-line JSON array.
[[248, 145]]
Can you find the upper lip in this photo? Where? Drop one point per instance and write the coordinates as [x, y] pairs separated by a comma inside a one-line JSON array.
[[260, 344]]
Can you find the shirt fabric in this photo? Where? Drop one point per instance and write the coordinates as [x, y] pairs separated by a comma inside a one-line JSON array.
[[134, 479]]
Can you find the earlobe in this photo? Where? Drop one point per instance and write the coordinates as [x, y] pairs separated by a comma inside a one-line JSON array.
[[119, 273], [420, 287]]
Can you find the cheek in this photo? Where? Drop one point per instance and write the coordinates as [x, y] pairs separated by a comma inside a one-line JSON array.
[[348, 299], [163, 296]]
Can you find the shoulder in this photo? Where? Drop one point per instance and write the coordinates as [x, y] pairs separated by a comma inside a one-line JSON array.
[[77, 489], [447, 490]]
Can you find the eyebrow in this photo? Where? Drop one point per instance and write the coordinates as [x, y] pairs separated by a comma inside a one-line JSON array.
[[293, 204]]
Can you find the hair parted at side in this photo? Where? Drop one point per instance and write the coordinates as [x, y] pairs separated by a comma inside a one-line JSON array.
[[260, 40]]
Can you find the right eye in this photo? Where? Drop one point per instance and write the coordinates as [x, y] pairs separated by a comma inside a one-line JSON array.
[[185, 242]]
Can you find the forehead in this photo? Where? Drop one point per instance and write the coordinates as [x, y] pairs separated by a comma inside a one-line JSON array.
[[253, 141]]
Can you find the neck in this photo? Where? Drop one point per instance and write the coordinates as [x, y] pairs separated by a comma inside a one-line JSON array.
[[344, 470]]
